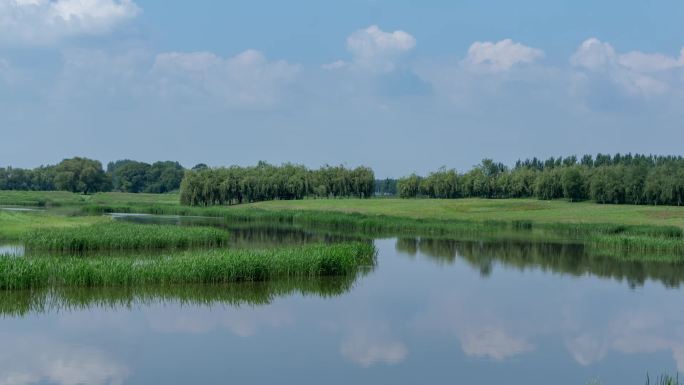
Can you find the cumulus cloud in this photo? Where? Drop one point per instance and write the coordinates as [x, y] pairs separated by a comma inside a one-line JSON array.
[[645, 62], [635, 72], [375, 50], [245, 80], [594, 54], [500, 56], [45, 21]]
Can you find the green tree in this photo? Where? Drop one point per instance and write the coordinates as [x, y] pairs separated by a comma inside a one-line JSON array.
[[80, 175]]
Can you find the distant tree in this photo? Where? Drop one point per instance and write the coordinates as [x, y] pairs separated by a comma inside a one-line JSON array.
[[130, 176], [80, 175], [163, 177], [199, 167], [409, 187], [572, 182], [548, 185]]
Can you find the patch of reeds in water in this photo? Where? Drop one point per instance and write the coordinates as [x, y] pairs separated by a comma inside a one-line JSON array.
[[663, 379], [123, 236], [190, 267]]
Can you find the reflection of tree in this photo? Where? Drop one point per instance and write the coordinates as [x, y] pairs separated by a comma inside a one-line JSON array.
[[565, 258], [20, 303], [407, 246]]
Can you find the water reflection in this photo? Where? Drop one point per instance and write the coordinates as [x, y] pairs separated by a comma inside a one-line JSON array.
[[249, 234], [29, 359], [19, 209], [432, 311], [58, 299], [12, 250], [370, 343], [564, 258]]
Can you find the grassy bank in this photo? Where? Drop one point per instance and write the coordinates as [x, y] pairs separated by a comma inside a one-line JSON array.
[[445, 209], [122, 236], [616, 229], [15, 225], [191, 267]]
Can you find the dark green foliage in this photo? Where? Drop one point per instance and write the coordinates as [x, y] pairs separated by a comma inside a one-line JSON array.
[[121, 236], [386, 187], [37, 179], [84, 175], [634, 179], [80, 175], [132, 176], [233, 185], [192, 267]]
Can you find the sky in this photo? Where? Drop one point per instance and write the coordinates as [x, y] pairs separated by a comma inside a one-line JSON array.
[[401, 86]]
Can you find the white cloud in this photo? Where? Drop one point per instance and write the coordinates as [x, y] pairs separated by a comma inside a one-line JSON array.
[[500, 56], [46, 21], [644, 62], [594, 54], [335, 65], [636, 73], [245, 80], [375, 50]]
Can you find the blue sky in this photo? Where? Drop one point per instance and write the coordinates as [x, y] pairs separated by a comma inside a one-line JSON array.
[[401, 86]]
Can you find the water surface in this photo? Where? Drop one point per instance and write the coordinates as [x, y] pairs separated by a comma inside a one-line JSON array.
[[431, 311]]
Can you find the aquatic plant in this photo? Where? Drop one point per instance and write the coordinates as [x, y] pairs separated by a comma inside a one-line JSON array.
[[190, 267], [122, 236]]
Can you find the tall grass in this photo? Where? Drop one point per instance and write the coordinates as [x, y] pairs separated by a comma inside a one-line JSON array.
[[122, 236], [190, 267], [664, 379]]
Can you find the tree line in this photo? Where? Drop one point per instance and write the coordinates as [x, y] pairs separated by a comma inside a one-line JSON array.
[[205, 186], [633, 179], [83, 175]]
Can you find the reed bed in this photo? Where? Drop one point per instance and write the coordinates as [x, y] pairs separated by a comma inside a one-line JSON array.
[[122, 236], [190, 267], [612, 238]]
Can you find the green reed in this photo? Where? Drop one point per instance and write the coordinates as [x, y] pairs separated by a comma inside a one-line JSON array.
[[122, 236], [189, 267]]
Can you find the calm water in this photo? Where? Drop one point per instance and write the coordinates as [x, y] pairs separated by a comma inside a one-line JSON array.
[[432, 311]]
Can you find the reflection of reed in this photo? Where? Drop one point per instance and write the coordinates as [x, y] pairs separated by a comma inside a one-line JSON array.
[[566, 258], [50, 300]]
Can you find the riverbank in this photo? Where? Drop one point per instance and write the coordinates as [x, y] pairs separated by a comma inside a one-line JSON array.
[[653, 232]]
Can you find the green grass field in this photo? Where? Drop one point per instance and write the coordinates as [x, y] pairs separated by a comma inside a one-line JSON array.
[[14, 225], [473, 209]]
